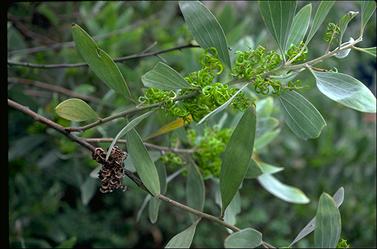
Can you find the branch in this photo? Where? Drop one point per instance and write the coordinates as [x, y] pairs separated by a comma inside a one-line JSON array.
[[125, 113], [53, 88], [120, 59], [154, 146], [129, 174]]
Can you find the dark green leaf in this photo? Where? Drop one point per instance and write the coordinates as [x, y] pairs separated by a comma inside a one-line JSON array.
[[184, 238], [338, 198], [154, 203], [164, 77], [278, 17], [126, 129], [301, 116], [239, 149], [75, 110], [320, 15], [346, 90], [282, 191], [69, 243], [195, 192], [99, 61], [205, 28], [245, 238], [153, 208], [143, 163], [300, 25], [328, 223], [367, 9]]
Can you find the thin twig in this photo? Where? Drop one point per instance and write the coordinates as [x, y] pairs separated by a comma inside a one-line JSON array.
[[53, 88], [128, 173], [120, 59], [154, 146], [125, 113]]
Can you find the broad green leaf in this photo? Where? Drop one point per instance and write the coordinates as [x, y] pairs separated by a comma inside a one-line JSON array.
[[346, 90], [367, 9], [205, 28], [338, 198], [259, 168], [154, 203], [195, 191], [264, 107], [300, 25], [232, 210], [153, 154], [88, 189], [126, 129], [184, 238], [265, 139], [69, 243], [164, 77], [370, 51], [301, 116], [143, 163], [278, 17], [245, 238], [239, 149], [320, 15], [282, 191], [265, 124], [75, 110], [99, 61], [222, 107], [328, 223], [343, 23]]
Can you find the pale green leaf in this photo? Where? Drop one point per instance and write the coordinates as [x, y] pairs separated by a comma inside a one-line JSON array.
[[282, 191], [164, 77], [222, 107], [195, 191], [328, 223], [346, 90], [264, 107], [278, 17], [239, 149], [367, 10], [99, 61], [245, 238], [265, 124], [88, 189], [320, 15], [265, 139], [338, 198], [232, 210], [343, 23], [154, 203], [143, 163], [75, 110], [301, 116], [370, 51], [205, 28], [300, 25], [126, 129], [184, 238], [259, 168]]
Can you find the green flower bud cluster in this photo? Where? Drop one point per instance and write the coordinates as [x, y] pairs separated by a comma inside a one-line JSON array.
[[332, 33], [343, 244], [209, 147], [251, 63], [171, 159], [294, 50], [210, 95]]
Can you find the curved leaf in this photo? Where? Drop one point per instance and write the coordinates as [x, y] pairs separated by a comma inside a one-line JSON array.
[[164, 77], [338, 198], [282, 191], [343, 23], [301, 116], [184, 238], [328, 223], [320, 15], [126, 129], [300, 25], [75, 110], [205, 28], [143, 163], [154, 203], [99, 61], [259, 168], [195, 192], [278, 17], [367, 9], [239, 149], [346, 90], [264, 139], [245, 238], [232, 210]]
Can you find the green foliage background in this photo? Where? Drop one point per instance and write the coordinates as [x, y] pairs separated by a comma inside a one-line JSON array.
[[47, 171]]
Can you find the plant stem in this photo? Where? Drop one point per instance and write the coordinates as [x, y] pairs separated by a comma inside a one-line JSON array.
[[120, 59], [125, 113]]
